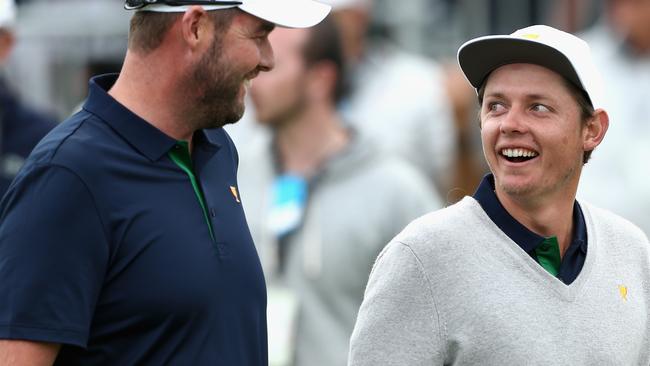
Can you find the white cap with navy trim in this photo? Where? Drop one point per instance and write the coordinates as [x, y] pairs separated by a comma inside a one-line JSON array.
[[284, 13], [542, 45]]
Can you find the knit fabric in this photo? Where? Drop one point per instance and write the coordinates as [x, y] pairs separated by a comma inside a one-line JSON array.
[[453, 289]]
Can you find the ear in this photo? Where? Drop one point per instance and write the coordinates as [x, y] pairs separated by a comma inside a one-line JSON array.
[[322, 78], [195, 28], [595, 129]]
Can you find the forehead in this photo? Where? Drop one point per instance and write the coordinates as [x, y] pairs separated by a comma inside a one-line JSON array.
[[525, 78], [286, 40], [252, 23]]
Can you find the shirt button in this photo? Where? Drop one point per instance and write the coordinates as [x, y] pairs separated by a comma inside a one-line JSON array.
[[213, 213]]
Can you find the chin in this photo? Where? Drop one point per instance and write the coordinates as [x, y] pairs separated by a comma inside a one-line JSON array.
[[234, 117], [515, 186]]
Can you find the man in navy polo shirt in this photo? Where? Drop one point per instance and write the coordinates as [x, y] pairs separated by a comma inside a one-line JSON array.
[[122, 239], [520, 273]]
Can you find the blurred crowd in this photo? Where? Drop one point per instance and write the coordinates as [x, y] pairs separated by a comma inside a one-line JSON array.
[[365, 124]]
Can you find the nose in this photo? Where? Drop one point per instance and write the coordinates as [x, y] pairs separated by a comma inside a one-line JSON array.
[[267, 59], [513, 122]]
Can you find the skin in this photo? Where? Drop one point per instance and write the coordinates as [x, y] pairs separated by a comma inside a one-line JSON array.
[[188, 84], [25, 353], [528, 106], [194, 80], [296, 101]]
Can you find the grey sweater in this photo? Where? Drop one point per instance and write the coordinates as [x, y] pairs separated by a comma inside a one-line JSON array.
[[453, 289]]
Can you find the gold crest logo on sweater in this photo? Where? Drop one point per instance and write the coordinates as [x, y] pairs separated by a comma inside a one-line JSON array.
[[622, 290]]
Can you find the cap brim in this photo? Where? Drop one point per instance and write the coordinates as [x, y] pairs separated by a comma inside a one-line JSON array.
[[479, 57], [288, 13]]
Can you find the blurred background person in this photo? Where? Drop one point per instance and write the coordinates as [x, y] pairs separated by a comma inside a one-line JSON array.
[[21, 127], [619, 175], [321, 200], [396, 97]]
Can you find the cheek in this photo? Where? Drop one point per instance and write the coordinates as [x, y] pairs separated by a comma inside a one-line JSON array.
[[489, 134]]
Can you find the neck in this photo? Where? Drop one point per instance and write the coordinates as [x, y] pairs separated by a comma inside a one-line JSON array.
[[147, 88], [310, 139], [554, 218]]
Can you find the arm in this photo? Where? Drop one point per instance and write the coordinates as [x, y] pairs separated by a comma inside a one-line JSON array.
[[53, 259], [19, 353], [398, 320]]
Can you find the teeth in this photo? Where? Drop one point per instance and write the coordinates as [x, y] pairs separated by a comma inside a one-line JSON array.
[[517, 153], [248, 83]]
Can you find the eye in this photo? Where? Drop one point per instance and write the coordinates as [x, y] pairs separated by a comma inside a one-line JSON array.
[[540, 108], [496, 107], [260, 37]]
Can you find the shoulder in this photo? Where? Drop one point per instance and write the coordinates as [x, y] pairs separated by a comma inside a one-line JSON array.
[[76, 138], [446, 230], [378, 173], [607, 223], [75, 145]]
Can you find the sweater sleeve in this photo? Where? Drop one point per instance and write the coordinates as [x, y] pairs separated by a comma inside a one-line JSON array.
[[398, 323]]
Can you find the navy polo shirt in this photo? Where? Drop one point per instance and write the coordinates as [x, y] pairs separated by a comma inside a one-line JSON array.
[[574, 257], [105, 248]]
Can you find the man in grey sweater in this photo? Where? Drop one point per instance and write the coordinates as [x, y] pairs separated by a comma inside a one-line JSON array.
[[520, 273]]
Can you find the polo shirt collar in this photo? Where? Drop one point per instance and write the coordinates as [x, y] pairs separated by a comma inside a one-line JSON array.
[[143, 136], [525, 238]]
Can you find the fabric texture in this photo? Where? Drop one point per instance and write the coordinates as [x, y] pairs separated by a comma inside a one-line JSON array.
[[453, 289], [21, 128], [104, 247], [360, 199], [571, 264]]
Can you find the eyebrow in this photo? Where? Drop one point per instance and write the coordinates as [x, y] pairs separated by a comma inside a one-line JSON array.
[[266, 27], [533, 96]]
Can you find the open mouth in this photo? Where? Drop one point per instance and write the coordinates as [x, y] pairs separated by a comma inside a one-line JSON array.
[[518, 155]]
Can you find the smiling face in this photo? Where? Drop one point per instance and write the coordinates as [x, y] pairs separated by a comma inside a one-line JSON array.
[[223, 74], [532, 133]]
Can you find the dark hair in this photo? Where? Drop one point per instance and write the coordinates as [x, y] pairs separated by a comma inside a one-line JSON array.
[[324, 44], [148, 29], [579, 95]]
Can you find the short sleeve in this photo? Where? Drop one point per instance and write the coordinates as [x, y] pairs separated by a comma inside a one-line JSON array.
[[53, 257], [397, 322]]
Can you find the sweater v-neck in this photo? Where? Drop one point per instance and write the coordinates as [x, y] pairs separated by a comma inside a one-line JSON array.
[[537, 273]]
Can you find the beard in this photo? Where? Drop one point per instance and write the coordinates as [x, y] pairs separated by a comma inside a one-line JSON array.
[[216, 90]]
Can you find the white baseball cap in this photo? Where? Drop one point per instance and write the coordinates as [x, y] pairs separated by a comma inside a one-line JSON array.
[[542, 45], [7, 13], [284, 13], [348, 4]]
